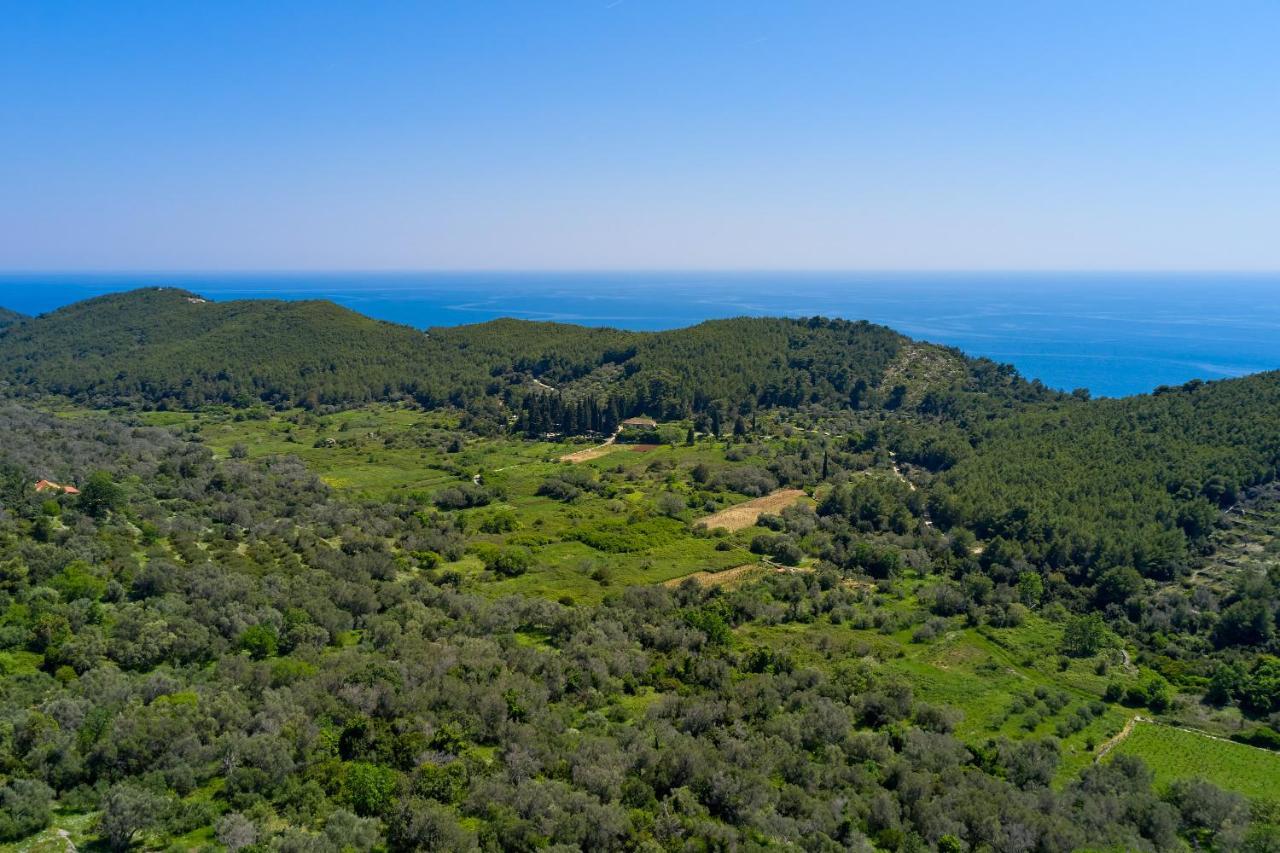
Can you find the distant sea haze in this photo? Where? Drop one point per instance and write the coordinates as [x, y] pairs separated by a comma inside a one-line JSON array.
[[1115, 334]]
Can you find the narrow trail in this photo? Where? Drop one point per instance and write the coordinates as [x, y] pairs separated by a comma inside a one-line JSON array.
[[1112, 743], [893, 457], [897, 472], [1203, 733]]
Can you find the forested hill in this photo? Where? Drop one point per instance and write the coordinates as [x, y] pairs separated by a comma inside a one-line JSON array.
[[7, 317], [166, 344], [1138, 482], [170, 347]]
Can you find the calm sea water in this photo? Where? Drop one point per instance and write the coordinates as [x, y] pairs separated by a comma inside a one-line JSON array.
[[1112, 334]]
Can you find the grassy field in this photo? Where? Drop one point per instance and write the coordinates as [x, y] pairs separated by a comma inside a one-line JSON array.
[[613, 536], [1174, 753]]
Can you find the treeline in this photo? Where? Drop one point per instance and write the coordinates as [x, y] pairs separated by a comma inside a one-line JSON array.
[[541, 414], [164, 347], [190, 653], [554, 413]]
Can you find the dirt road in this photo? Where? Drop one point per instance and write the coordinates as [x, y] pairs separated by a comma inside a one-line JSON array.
[[593, 452]]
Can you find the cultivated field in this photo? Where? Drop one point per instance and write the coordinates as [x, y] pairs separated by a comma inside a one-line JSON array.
[[746, 514], [728, 577], [1005, 682], [1174, 753]]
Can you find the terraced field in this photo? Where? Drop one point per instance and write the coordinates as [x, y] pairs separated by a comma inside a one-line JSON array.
[[1247, 544]]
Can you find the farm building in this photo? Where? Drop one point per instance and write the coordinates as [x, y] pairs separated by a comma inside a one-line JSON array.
[[645, 423]]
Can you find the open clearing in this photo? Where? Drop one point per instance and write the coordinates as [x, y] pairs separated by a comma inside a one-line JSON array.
[[748, 571], [745, 514]]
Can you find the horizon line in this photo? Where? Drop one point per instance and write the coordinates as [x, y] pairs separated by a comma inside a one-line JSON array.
[[390, 271]]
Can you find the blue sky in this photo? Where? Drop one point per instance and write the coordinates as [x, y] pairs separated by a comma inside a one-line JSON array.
[[623, 134]]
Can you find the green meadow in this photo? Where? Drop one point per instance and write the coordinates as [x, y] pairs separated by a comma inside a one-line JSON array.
[[582, 548]]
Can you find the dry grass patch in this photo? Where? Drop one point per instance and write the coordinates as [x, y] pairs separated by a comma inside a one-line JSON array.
[[746, 514], [590, 453], [725, 578]]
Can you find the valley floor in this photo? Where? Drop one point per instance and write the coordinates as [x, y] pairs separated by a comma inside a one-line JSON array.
[[1009, 682]]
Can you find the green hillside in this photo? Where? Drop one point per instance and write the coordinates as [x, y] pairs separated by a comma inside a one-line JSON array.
[[169, 347], [843, 567], [1129, 482]]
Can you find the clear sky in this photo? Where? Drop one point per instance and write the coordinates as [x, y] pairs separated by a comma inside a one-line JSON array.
[[628, 134]]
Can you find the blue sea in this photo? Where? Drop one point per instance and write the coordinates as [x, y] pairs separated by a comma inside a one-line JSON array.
[[1115, 334]]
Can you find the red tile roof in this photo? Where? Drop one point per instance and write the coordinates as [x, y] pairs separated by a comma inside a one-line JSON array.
[[50, 486]]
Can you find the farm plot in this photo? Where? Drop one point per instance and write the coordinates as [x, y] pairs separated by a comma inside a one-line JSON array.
[[727, 577], [746, 514]]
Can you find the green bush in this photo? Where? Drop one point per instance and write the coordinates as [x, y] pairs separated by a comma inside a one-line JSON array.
[[24, 808], [508, 562], [369, 788], [260, 641]]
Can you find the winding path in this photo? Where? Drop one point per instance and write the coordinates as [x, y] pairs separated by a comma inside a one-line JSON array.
[[1112, 743]]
